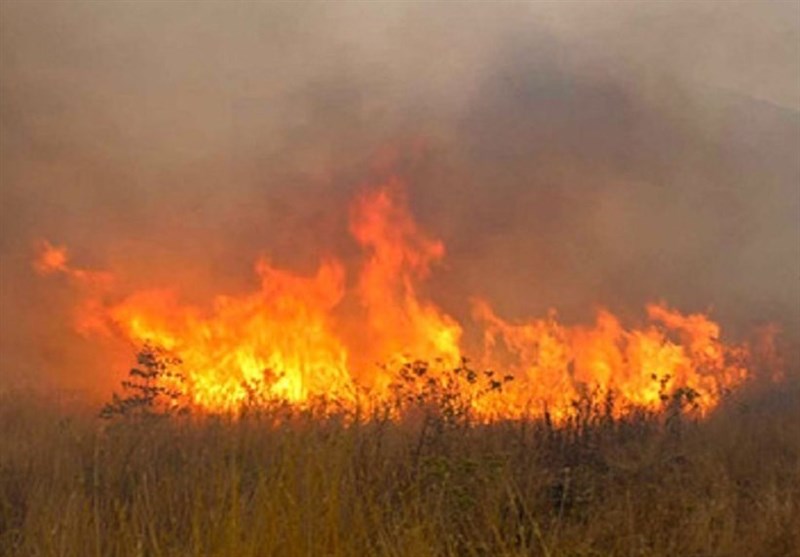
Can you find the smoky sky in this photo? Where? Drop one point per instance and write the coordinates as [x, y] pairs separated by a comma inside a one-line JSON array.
[[569, 155]]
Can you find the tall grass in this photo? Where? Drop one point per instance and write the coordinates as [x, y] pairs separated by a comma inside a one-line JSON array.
[[73, 485]]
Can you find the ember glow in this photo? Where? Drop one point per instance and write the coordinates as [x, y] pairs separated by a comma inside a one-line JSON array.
[[287, 339]]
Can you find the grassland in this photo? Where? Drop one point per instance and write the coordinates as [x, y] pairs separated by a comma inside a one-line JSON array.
[[74, 485]]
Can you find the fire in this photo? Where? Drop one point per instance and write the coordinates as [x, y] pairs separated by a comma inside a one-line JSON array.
[[399, 255], [278, 340], [286, 340], [54, 260], [51, 259], [555, 365]]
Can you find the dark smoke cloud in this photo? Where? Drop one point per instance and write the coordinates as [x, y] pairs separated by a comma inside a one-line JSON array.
[[569, 154]]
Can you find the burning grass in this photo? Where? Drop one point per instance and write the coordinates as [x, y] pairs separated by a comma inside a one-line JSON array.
[[257, 425], [297, 338], [290, 481]]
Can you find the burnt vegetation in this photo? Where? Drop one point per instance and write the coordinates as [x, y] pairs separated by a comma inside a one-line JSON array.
[[422, 477]]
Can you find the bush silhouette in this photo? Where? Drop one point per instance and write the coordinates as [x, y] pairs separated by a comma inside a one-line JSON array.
[[153, 387]]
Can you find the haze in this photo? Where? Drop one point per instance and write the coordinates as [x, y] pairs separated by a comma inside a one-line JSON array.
[[569, 155]]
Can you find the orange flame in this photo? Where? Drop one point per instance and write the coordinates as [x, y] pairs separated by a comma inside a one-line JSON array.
[[285, 341], [555, 365], [54, 259], [400, 324], [278, 339], [51, 259]]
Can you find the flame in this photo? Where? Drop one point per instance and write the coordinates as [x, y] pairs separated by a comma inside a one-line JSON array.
[[278, 339], [286, 340], [51, 259], [400, 324], [555, 365], [54, 260]]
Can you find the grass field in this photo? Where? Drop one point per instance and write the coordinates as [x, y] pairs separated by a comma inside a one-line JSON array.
[[74, 485]]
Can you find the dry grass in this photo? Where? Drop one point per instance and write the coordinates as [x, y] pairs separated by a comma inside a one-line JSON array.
[[72, 485]]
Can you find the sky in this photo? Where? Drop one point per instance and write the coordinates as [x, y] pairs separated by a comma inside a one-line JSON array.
[[569, 155]]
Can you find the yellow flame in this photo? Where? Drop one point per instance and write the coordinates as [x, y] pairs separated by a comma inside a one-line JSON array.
[[284, 341]]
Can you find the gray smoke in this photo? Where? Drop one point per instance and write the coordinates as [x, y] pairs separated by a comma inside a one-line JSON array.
[[568, 154]]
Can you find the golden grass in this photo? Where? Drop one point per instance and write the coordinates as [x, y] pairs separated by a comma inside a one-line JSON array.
[[73, 485]]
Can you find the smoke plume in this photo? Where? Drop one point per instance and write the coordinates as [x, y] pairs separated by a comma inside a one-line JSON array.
[[568, 155]]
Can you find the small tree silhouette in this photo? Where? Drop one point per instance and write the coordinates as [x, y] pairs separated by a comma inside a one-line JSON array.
[[153, 387]]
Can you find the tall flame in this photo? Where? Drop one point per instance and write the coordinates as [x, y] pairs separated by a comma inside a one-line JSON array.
[[285, 340], [401, 324]]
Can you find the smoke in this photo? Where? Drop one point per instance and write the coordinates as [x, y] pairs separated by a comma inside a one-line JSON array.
[[568, 154]]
